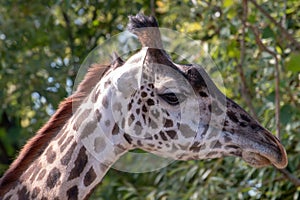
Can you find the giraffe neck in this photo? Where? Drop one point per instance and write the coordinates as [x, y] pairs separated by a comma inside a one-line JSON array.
[[78, 158]]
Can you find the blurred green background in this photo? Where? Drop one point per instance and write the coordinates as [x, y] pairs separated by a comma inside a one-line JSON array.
[[43, 44]]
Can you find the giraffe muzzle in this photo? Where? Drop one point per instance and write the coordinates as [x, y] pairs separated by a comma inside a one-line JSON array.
[[261, 155]]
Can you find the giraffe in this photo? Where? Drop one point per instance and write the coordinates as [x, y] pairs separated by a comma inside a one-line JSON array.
[[146, 102]]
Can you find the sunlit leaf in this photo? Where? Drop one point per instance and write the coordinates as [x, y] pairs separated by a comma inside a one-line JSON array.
[[293, 62], [227, 3]]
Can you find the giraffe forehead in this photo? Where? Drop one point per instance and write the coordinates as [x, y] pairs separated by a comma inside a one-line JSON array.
[[177, 83], [175, 77]]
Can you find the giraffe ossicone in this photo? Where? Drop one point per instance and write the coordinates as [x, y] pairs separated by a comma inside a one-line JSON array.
[[147, 102]]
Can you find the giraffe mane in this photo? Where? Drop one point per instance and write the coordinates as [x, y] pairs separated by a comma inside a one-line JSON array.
[[38, 143]]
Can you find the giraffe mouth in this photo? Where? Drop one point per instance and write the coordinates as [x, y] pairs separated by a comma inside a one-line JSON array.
[[264, 156], [255, 159], [258, 152]]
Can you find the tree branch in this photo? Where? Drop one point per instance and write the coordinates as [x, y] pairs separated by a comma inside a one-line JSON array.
[[69, 31], [72, 70], [255, 30], [290, 177], [152, 7], [244, 87], [283, 30], [277, 77]]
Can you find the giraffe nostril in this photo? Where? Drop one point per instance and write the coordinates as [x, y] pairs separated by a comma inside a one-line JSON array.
[[230, 146]]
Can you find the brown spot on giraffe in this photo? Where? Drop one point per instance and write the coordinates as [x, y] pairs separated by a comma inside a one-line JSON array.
[[23, 193], [35, 192], [187, 131], [89, 177], [172, 134], [231, 147], [95, 95], [42, 174], [98, 115], [232, 116], [150, 102], [103, 167], [163, 136], [123, 123], [79, 164], [89, 128], [196, 147], [139, 143], [138, 110], [99, 144], [153, 124], [144, 109], [67, 157], [215, 144], [129, 106], [36, 171], [107, 83], [132, 117], [138, 128], [63, 136], [72, 193], [84, 114], [243, 124], [105, 102], [50, 155], [66, 143], [53, 177], [227, 138], [144, 94], [130, 121], [203, 94], [128, 138], [168, 123]]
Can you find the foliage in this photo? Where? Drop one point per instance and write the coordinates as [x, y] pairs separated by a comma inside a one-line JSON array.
[[42, 45]]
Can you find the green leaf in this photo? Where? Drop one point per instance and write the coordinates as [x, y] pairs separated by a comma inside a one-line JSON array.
[[293, 62], [267, 33], [285, 114], [228, 3]]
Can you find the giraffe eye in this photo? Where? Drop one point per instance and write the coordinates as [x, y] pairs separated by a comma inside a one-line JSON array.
[[172, 98]]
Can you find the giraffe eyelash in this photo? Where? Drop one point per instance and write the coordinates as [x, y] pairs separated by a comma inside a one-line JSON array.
[[172, 98]]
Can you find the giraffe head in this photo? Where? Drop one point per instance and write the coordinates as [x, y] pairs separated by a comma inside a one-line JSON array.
[[176, 111]]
